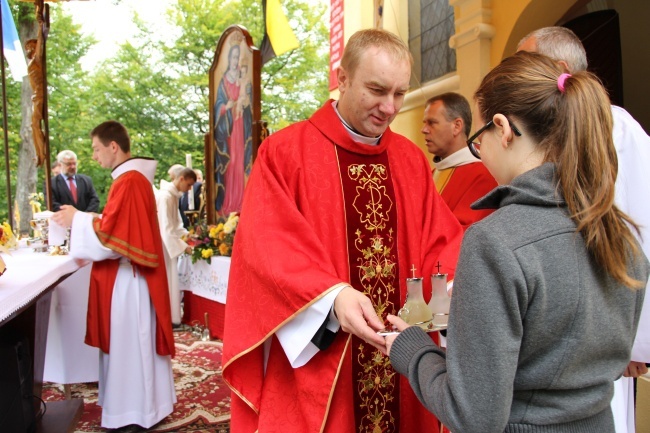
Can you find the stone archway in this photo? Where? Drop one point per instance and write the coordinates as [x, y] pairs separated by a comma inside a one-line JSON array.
[[538, 13]]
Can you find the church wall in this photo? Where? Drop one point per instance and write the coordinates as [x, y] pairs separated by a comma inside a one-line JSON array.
[[486, 31]]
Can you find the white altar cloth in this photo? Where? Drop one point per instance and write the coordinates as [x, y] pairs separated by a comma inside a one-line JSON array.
[[208, 281], [67, 358], [28, 274]]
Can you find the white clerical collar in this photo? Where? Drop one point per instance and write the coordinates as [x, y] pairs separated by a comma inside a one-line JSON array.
[[460, 157], [372, 141], [169, 186], [145, 166]]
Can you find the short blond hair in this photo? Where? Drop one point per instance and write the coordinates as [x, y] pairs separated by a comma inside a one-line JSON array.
[[362, 40]]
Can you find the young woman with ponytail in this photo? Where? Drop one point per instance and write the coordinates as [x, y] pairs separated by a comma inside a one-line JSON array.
[[549, 288]]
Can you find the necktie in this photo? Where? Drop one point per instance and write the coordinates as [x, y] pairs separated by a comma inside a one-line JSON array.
[[73, 188]]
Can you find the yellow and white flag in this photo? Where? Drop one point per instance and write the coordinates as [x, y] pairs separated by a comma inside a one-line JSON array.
[[278, 37]]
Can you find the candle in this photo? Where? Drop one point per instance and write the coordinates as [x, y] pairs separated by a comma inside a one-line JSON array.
[[190, 199], [190, 192]]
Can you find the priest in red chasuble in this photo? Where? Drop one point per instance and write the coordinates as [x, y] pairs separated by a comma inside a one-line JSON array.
[[459, 176], [337, 211], [129, 316]]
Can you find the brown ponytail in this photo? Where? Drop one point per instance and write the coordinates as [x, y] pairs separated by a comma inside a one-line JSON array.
[[571, 121]]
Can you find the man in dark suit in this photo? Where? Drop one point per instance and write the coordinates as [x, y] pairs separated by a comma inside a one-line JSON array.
[[72, 188]]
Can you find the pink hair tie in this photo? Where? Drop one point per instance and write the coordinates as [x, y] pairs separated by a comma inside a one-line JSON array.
[[560, 81]]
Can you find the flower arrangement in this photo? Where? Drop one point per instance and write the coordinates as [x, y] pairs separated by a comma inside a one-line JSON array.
[[7, 238], [213, 240]]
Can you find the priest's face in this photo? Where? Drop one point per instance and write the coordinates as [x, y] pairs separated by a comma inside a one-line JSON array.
[[104, 155], [439, 133], [372, 95], [185, 185]]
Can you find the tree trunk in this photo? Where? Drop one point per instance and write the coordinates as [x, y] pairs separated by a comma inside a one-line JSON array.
[[26, 175]]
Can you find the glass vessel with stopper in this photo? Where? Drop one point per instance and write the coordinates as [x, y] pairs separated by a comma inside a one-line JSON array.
[[415, 310], [440, 299]]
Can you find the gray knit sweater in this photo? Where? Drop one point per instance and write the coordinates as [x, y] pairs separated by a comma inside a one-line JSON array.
[[537, 332]]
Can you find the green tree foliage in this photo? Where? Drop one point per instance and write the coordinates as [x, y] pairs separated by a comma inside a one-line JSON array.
[[68, 124], [14, 116], [157, 84], [295, 84], [69, 104]]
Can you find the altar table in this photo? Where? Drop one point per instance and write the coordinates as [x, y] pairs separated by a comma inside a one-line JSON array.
[[28, 275], [67, 358], [205, 287], [25, 297]]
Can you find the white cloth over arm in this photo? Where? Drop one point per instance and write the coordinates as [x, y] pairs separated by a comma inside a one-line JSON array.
[[84, 242], [295, 337]]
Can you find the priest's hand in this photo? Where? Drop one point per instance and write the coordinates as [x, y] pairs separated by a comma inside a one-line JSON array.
[[635, 369], [398, 324], [65, 216], [357, 316]]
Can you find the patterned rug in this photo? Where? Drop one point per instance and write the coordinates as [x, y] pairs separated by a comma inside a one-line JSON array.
[[203, 404]]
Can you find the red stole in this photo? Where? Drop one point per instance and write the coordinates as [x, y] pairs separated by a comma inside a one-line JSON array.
[[129, 226], [371, 220]]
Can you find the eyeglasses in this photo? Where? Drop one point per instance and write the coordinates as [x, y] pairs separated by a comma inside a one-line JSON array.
[[475, 147]]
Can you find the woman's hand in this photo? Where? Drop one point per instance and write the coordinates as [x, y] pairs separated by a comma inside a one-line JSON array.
[[398, 324]]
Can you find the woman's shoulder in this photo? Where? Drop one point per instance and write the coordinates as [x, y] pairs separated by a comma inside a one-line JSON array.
[[520, 224]]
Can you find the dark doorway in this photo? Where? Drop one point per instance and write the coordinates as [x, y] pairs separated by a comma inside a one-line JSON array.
[[600, 34]]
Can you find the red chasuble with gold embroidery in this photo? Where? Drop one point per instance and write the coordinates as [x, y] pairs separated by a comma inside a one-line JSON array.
[[129, 226], [320, 210]]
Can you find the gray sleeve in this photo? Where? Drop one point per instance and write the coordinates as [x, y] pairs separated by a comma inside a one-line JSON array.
[[470, 388], [414, 352]]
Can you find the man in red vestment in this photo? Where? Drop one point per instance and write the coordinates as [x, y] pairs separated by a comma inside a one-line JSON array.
[[460, 178], [129, 317], [338, 212]]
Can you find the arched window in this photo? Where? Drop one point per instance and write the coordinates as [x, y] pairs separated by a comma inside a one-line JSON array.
[[431, 24]]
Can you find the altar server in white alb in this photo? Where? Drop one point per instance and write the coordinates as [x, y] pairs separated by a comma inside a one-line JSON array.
[[633, 152], [128, 305], [172, 231]]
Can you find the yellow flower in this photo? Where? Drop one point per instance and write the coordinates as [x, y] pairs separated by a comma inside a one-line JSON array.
[[7, 237], [214, 230], [231, 224], [223, 249], [206, 254]]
